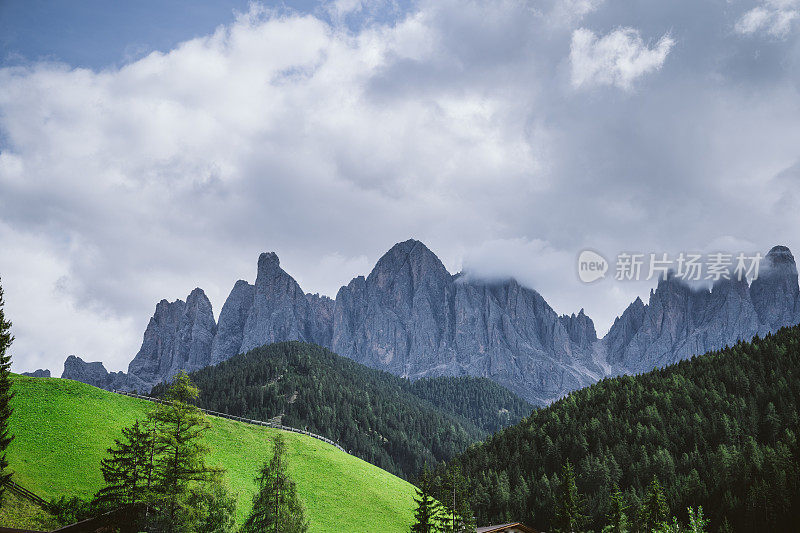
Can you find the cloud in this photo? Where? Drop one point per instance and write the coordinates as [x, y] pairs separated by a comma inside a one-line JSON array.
[[451, 122], [775, 17], [618, 58]]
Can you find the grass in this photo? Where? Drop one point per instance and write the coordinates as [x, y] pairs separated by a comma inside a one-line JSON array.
[[21, 513], [62, 429]]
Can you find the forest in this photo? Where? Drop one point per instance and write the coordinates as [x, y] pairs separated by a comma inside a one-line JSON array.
[[391, 422], [717, 431]]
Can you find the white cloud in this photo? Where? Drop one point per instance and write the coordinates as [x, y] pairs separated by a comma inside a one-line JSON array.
[[618, 58], [569, 11], [265, 135], [775, 17], [328, 143]]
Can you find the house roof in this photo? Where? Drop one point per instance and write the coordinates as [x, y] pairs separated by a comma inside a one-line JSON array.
[[504, 527]]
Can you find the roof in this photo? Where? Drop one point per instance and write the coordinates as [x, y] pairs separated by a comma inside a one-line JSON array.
[[504, 527]]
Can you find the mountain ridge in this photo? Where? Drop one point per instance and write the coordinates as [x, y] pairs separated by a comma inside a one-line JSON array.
[[411, 317]]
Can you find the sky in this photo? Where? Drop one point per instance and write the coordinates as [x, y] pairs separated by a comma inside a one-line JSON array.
[[147, 148]]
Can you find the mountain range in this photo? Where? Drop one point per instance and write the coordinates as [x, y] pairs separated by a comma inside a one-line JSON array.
[[412, 318]]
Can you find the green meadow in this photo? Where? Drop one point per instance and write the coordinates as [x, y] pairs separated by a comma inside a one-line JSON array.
[[62, 429]]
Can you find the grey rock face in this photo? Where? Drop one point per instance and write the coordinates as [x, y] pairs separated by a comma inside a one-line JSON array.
[[775, 294], [411, 317], [178, 337], [580, 329], [94, 374], [40, 373], [280, 311], [397, 318], [232, 319], [679, 322]]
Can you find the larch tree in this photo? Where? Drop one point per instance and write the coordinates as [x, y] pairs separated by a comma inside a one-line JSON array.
[[276, 506], [181, 457]]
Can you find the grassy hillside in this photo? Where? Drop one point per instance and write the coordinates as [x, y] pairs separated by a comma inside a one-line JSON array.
[[389, 421], [62, 429]]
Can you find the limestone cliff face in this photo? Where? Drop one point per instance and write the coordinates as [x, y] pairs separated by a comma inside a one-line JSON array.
[[411, 317], [775, 294], [280, 309], [178, 337], [232, 320]]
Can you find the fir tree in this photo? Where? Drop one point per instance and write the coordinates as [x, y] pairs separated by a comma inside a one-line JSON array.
[[455, 496], [569, 517], [276, 506], [697, 522], [428, 516], [617, 519], [5, 395], [181, 453], [654, 510], [127, 470]]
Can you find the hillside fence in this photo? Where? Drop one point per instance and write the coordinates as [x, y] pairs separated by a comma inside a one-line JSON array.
[[22, 492], [241, 419]]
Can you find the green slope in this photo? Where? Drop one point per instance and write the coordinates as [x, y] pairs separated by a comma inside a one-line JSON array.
[[62, 429]]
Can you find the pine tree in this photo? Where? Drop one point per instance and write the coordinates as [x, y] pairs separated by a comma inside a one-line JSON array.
[[654, 510], [276, 506], [428, 516], [127, 470], [455, 496], [569, 517], [181, 458], [5, 395], [617, 519]]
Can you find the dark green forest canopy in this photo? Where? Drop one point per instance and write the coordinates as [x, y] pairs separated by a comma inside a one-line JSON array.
[[719, 430], [391, 422]]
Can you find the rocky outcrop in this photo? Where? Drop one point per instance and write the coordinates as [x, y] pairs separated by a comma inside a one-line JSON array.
[[178, 337], [232, 320], [775, 293], [40, 373], [93, 374], [280, 310]]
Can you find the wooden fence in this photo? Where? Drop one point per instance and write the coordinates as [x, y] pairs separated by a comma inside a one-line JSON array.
[[240, 419], [22, 492]]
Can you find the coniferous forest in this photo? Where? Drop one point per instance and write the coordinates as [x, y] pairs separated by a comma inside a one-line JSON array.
[[391, 422], [717, 431]]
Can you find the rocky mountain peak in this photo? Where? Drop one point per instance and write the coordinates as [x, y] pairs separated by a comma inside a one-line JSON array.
[[268, 262], [775, 293], [409, 256], [779, 261]]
